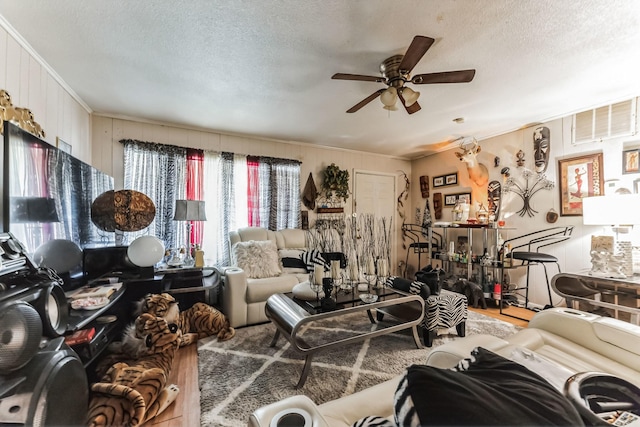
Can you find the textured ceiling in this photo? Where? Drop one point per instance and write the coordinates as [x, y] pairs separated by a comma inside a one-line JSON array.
[[264, 68]]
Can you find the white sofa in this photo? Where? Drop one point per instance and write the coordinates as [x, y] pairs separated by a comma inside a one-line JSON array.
[[244, 298], [576, 341]]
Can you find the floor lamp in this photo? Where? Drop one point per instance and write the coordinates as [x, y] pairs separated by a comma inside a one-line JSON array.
[[189, 210]]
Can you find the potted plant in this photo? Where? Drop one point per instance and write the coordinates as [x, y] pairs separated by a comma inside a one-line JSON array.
[[336, 181]]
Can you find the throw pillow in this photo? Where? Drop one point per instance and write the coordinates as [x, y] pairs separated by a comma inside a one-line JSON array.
[[312, 258], [374, 421], [412, 286], [259, 259], [292, 262], [486, 389], [432, 277]]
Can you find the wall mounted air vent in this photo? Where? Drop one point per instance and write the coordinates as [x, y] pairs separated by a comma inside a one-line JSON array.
[[606, 122]]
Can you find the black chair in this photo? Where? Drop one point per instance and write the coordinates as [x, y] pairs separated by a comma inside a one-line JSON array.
[[420, 243], [526, 250]]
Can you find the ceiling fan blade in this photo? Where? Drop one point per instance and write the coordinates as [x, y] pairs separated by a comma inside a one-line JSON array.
[[413, 108], [365, 101], [342, 76], [418, 47], [461, 76]]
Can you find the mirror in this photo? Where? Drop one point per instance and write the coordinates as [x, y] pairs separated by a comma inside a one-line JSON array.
[[47, 193]]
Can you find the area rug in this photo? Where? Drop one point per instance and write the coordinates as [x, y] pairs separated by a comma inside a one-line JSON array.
[[242, 374]]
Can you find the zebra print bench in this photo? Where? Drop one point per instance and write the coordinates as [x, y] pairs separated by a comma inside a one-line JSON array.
[[442, 311]]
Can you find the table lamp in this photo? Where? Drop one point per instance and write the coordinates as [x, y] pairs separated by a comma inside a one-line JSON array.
[[189, 210], [620, 211]]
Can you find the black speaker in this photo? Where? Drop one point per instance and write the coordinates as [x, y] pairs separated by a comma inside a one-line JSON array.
[[49, 300], [111, 260], [20, 334], [50, 390]]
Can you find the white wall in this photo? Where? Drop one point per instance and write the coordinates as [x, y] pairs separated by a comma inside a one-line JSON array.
[[574, 254], [34, 85]]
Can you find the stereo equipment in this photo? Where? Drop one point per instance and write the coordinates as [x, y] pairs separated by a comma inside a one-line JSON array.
[[112, 260], [42, 381], [21, 331], [50, 390]]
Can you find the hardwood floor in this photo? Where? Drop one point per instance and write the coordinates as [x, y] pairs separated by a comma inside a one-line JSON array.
[[185, 411], [509, 311]]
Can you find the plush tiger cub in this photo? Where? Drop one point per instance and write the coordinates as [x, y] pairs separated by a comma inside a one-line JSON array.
[[199, 321], [131, 347], [132, 392]]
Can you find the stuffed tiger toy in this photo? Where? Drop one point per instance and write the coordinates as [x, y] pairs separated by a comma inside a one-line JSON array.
[[132, 392], [199, 321]]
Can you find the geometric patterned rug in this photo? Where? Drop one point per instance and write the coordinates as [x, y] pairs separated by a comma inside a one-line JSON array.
[[242, 374]]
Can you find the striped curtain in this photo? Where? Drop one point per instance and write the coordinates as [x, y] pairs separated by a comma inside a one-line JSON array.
[[159, 171], [195, 170], [238, 191]]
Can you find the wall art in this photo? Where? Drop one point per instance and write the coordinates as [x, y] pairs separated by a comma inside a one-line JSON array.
[[443, 180], [580, 177], [452, 199], [631, 161]]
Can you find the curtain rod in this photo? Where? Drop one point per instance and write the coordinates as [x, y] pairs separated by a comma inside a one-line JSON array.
[[177, 147]]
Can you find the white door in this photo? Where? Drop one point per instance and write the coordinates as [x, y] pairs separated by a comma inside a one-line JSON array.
[[375, 193]]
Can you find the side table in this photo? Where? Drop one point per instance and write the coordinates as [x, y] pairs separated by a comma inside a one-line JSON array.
[[620, 296]]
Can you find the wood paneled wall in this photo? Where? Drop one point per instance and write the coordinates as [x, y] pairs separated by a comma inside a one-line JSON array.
[[34, 85], [108, 154]]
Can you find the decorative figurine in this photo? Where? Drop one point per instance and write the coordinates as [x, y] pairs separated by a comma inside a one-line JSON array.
[[494, 189], [541, 148], [520, 158]]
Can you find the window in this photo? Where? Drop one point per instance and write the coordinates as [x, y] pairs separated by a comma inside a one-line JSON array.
[[238, 191]]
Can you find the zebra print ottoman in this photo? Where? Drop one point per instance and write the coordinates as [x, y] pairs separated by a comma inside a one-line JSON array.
[[444, 311]]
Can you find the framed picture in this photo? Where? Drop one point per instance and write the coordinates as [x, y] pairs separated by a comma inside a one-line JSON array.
[[631, 161], [636, 186], [63, 146], [442, 180], [451, 179], [452, 199], [579, 177]]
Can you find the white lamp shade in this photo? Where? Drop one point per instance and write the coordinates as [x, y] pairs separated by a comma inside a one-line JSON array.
[[145, 251], [611, 210], [389, 98], [410, 96], [59, 254]]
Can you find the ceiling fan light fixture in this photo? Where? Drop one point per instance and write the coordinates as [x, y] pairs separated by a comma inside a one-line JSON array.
[[389, 98], [410, 96]]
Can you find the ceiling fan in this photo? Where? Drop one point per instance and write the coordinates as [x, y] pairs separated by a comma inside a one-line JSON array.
[[395, 73]]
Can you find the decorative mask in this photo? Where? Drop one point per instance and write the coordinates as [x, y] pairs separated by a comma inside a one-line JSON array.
[[541, 148]]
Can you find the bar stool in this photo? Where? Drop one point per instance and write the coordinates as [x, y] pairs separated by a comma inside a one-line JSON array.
[[420, 244], [527, 251]]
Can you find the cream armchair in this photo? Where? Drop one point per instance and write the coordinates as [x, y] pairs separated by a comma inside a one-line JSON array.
[[244, 297]]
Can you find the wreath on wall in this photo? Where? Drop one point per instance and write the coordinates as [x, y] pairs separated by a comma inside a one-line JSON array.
[[336, 181]]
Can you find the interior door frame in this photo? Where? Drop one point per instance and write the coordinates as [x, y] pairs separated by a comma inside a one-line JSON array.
[[395, 256]]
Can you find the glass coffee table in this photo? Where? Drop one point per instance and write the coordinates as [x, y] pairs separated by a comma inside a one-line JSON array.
[[290, 314]]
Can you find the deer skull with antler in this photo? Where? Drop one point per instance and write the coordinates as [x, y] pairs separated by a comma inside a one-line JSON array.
[[478, 173]]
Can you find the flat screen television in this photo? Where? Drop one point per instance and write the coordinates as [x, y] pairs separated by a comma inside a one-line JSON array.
[[47, 193]]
